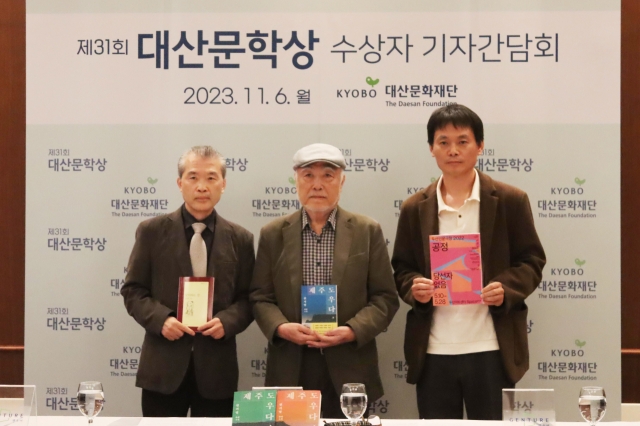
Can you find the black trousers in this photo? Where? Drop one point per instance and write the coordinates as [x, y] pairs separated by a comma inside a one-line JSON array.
[[187, 397], [449, 382], [314, 375]]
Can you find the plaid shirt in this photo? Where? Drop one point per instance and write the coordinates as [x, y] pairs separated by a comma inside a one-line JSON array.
[[317, 251]]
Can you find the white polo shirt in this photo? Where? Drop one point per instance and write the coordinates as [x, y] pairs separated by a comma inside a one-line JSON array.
[[462, 329]]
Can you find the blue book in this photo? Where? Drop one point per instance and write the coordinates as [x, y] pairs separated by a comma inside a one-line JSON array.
[[320, 307]]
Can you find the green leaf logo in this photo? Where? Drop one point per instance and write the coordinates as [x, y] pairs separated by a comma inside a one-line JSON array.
[[292, 181], [579, 343], [371, 82], [152, 181], [580, 262], [580, 181]]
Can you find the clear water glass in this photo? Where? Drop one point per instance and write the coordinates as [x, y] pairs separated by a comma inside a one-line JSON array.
[[90, 399], [353, 401], [592, 403]]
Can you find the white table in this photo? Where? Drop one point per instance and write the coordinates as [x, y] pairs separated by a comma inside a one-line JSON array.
[[79, 420]]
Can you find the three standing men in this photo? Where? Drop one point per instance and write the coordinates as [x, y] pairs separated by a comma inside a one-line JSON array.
[[458, 356], [466, 354], [180, 369], [323, 244]]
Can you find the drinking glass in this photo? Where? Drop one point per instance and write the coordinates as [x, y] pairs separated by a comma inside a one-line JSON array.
[[353, 401], [90, 399], [592, 403]]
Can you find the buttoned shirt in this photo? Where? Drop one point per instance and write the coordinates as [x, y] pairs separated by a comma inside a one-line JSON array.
[[317, 250]]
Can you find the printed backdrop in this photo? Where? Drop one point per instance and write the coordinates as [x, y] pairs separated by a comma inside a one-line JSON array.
[[117, 90]]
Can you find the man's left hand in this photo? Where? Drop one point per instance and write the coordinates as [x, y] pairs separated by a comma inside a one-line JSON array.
[[212, 328], [335, 337], [493, 294]]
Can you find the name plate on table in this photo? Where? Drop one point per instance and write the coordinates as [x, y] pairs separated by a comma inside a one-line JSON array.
[[456, 269], [320, 307], [528, 407], [195, 301], [18, 405]]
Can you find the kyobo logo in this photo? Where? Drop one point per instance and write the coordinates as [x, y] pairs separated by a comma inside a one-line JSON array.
[[142, 189], [359, 93], [571, 352], [139, 190], [280, 190], [355, 93], [569, 271], [568, 190]]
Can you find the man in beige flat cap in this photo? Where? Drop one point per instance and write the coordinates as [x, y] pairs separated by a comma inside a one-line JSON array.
[[323, 244]]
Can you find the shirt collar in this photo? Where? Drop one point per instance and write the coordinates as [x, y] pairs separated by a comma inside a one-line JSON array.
[[188, 219], [475, 194], [331, 221]]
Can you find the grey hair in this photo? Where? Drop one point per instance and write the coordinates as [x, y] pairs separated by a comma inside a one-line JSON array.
[[203, 151]]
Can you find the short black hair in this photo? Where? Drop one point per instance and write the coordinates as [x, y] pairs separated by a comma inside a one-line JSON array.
[[458, 115]]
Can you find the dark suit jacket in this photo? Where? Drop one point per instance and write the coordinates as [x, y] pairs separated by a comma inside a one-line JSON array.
[[159, 257], [511, 254], [367, 299]]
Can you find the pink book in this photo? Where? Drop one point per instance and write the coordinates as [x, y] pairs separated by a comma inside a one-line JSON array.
[[456, 269]]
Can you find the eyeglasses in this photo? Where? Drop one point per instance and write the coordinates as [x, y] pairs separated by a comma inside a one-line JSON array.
[[369, 421]]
